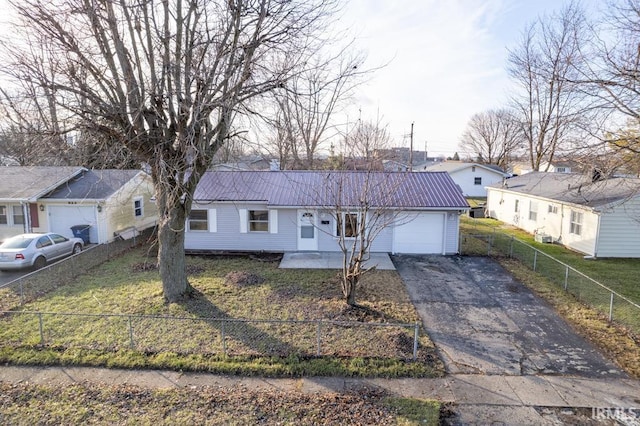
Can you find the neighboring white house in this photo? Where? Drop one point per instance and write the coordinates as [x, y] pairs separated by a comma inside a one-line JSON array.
[[285, 211], [598, 217], [471, 177], [54, 199]]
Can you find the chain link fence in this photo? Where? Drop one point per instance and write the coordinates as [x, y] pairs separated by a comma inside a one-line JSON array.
[[33, 285], [616, 306], [194, 335]]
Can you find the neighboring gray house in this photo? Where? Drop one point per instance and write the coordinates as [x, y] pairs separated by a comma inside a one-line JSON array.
[[284, 211], [53, 199], [597, 217], [471, 177]]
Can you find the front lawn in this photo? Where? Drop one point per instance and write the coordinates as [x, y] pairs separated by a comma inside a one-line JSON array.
[[230, 289]]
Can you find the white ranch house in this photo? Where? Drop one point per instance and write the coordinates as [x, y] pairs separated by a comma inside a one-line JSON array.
[[597, 217], [289, 211], [471, 177]]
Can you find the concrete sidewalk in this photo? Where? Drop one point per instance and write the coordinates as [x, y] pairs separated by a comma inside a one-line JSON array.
[[481, 399], [330, 260]]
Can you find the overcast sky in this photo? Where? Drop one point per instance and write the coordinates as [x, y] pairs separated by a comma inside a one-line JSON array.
[[447, 62]]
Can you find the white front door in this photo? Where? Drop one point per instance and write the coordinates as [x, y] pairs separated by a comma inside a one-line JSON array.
[[307, 230]]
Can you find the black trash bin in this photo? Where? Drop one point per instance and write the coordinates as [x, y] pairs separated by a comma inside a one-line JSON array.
[[81, 231]]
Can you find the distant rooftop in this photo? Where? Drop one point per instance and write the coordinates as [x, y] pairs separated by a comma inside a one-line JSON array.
[[573, 188]]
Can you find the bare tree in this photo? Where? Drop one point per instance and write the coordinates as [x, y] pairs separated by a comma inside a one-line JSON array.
[[545, 66], [305, 107], [365, 141], [166, 78], [360, 204], [492, 136]]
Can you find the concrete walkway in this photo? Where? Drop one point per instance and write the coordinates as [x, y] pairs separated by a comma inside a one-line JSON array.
[[330, 260], [482, 399]]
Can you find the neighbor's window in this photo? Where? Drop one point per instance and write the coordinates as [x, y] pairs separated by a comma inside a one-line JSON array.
[[517, 206], [18, 215], [138, 207], [198, 220], [533, 210], [3, 215], [347, 225], [553, 209], [477, 181], [576, 223], [259, 220]]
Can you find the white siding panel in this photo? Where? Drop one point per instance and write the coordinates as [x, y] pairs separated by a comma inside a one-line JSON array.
[[452, 233], [212, 219], [273, 221], [228, 235], [620, 231], [243, 220]]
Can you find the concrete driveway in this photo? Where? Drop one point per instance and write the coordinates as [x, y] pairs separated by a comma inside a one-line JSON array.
[[485, 322]]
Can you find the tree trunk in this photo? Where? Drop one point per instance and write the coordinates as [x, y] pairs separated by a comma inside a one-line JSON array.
[[171, 257], [349, 284]]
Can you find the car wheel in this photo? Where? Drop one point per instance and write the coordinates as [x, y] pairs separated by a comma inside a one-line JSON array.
[[77, 249], [40, 262]]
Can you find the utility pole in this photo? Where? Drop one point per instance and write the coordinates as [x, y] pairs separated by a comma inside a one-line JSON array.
[[411, 149]]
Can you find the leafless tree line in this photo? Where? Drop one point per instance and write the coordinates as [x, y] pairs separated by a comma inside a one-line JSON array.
[[576, 80]]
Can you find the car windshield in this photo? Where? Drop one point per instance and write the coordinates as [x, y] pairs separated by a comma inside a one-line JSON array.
[[17, 243]]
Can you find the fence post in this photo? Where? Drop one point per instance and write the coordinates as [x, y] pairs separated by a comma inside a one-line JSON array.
[[21, 293], [318, 334], [415, 340], [131, 344], [511, 247], [566, 277], [41, 326], [224, 339], [535, 259], [611, 308]]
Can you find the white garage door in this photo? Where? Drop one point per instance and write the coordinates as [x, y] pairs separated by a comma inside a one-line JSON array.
[[422, 235], [62, 218]]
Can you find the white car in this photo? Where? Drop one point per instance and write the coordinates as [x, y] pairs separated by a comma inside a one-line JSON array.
[[36, 250]]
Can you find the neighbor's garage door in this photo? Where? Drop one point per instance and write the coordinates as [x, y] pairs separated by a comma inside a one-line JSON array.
[[62, 218], [422, 235]]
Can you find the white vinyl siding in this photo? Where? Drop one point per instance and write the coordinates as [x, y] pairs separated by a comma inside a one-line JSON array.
[[575, 224], [212, 220], [273, 221], [231, 220], [533, 211]]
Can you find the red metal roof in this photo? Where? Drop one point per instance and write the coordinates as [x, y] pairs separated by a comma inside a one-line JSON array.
[[329, 188]]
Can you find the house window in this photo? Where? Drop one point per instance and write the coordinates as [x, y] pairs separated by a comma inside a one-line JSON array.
[[138, 207], [18, 215], [533, 211], [517, 206], [473, 168], [198, 220], [477, 181], [553, 209], [3, 215], [259, 220], [347, 225], [576, 223]]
